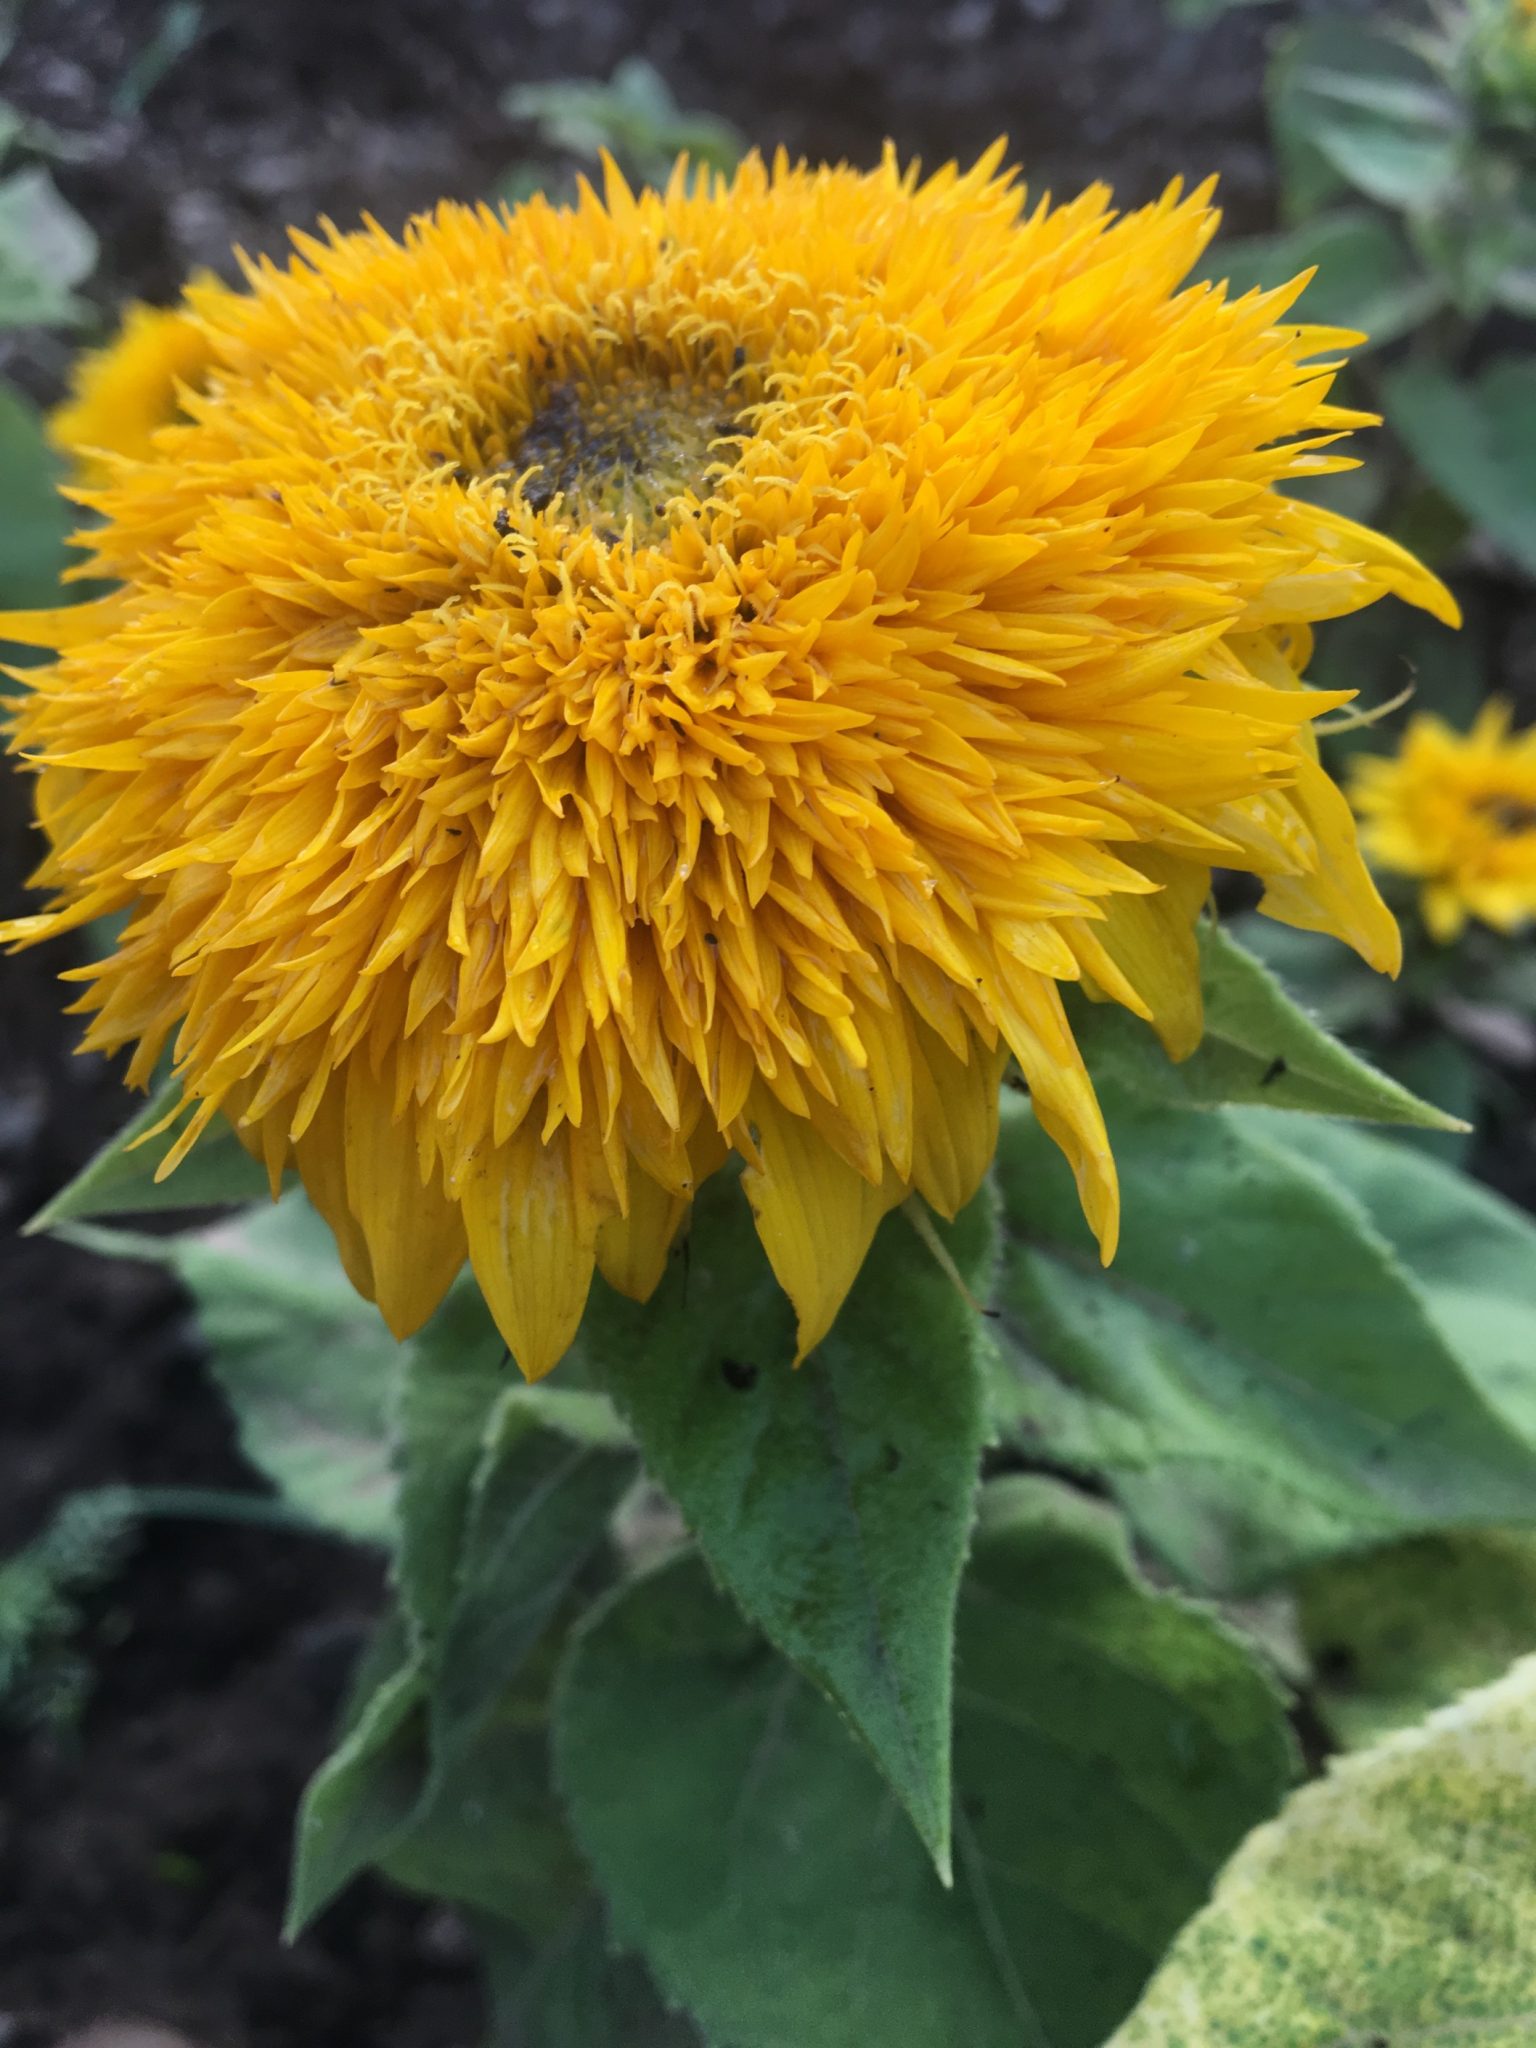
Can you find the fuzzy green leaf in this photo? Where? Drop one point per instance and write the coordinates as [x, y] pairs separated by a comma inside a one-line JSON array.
[[443, 1779], [1392, 1902], [455, 1372], [1256, 1376], [574, 1993], [833, 1502], [119, 1181], [360, 1799], [1111, 1744], [539, 1507], [1259, 1047]]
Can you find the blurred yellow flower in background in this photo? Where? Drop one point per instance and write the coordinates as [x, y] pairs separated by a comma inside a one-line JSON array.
[[1457, 812], [591, 691], [122, 394]]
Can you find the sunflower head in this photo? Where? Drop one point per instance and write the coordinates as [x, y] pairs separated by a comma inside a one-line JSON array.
[[590, 692], [1457, 813], [122, 394]]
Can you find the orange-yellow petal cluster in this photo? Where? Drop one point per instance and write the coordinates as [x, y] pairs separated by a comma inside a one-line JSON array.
[[1457, 812], [591, 691], [121, 395]]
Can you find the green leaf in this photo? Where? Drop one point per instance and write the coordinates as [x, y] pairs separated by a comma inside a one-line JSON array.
[[834, 1502], [1477, 440], [1256, 1376], [574, 1993], [487, 1832], [121, 1181], [1405, 1629], [1372, 110], [1472, 1256], [633, 115], [455, 1371], [45, 249], [1111, 1744], [539, 1507], [443, 1776], [1366, 274], [1393, 1902], [1325, 980], [1259, 1047], [307, 1364], [360, 1799], [32, 550]]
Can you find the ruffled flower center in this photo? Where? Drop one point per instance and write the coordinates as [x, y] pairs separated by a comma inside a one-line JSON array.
[[614, 448]]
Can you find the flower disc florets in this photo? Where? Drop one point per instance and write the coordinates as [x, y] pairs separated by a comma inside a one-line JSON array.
[[591, 691], [1456, 812]]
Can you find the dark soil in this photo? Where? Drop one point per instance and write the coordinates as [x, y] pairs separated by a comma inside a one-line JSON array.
[[143, 1859]]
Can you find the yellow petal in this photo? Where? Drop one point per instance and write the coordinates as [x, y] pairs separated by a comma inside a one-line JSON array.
[[1151, 941], [956, 1104], [414, 1234], [1041, 1041], [61, 626], [322, 1160], [816, 1216], [632, 1250], [1338, 895], [532, 1243]]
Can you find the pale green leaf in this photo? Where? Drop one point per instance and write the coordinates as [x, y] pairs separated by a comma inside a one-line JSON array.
[[1477, 440], [1111, 1744], [1405, 1629], [307, 1364], [1366, 274], [834, 1501], [45, 250], [1394, 1902], [1256, 1375]]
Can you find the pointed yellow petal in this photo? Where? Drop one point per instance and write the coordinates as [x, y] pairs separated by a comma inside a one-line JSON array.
[[414, 1234], [1041, 1041], [1151, 940], [62, 626], [956, 1118], [632, 1250], [1338, 896], [532, 1243], [816, 1216], [322, 1160]]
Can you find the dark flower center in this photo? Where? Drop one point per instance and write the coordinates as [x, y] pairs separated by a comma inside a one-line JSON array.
[[623, 448]]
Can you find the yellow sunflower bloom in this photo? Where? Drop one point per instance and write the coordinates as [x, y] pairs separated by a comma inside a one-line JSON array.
[[596, 690], [1457, 812], [122, 394]]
